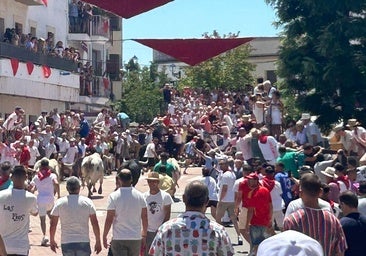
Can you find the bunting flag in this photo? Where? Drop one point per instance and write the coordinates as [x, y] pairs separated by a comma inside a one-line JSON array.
[[128, 8], [193, 51], [14, 65], [30, 67], [45, 2], [46, 71]]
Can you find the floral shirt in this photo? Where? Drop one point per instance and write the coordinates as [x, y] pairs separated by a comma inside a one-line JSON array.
[[191, 234]]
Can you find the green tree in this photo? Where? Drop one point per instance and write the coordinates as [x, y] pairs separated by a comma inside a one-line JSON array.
[[142, 97], [322, 57], [229, 70]]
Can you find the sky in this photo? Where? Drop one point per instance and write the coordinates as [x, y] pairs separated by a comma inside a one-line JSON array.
[[191, 18]]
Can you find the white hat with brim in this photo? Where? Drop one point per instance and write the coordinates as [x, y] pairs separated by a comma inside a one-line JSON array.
[[329, 172], [290, 242], [338, 127]]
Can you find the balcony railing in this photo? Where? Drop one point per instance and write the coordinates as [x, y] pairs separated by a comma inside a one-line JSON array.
[[96, 86], [98, 26], [12, 51]]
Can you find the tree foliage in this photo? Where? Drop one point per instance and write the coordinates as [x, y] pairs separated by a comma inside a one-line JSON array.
[[141, 98], [230, 70], [322, 57]]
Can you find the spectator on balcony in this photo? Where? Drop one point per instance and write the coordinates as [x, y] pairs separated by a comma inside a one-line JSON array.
[[73, 17], [32, 44], [50, 42], [59, 48], [41, 46], [87, 16]]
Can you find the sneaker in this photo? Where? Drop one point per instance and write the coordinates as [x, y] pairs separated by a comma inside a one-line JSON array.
[[240, 240], [44, 241]]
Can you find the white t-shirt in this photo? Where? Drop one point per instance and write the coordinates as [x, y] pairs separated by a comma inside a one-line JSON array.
[[228, 178], [10, 121], [74, 212], [212, 187], [127, 202], [34, 153], [155, 208], [45, 188], [362, 205], [150, 149], [299, 204], [16, 206], [276, 195], [70, 155]]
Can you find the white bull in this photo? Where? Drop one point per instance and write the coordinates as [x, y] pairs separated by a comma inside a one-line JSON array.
[[92, 170], [52, 163], [176, 174]]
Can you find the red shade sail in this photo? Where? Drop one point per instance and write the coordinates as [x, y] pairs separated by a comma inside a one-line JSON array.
[[128, 8], [193, 51]]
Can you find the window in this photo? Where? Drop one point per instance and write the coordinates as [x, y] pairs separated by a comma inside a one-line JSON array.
[[33, 31]]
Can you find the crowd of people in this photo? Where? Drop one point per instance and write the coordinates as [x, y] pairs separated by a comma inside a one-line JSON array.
[[41, 45], [260, 172]]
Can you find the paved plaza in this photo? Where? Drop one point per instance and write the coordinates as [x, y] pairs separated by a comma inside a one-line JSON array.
[[100, 202]]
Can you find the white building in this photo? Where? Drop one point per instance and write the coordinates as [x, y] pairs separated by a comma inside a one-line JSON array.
[[23, 74]]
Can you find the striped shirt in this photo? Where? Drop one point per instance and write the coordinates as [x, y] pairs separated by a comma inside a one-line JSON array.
[[321, 225]]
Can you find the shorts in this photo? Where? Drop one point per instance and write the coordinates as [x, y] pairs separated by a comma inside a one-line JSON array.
[[126, 247], [212, 203], [278, 216], [76, 249], [43, 208], [150, 162], [257, 234], [226, 206], [243, 216]]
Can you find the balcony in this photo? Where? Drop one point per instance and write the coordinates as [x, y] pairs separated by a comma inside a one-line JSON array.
[[11, 51], [30, 2], [96, 86], [99, 26]]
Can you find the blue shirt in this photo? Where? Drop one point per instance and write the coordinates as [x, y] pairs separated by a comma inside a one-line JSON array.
[[286, 185]]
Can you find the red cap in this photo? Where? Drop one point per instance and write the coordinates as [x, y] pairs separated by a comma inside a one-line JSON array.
[[252, 176]]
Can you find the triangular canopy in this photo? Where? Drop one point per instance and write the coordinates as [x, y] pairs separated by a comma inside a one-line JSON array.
[[193, 51], [128, 8]]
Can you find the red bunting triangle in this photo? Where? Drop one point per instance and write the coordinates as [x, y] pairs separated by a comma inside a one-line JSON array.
[[128, 8], [14, 65], [46, 71], [30, 67], [194, 51], [45, 2]]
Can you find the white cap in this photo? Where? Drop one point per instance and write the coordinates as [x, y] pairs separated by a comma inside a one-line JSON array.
[[290, 243]]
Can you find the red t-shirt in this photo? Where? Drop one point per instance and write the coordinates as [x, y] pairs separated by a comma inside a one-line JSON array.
[[260, 200]]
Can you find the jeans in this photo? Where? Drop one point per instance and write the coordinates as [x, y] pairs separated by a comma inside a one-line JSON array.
[[76, 249]]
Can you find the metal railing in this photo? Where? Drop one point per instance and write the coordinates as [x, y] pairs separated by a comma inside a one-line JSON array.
[[22, 54], [95, 86], [97, 26]]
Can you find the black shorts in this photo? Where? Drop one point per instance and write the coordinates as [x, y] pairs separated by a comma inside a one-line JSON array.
[[212, 203], [150, 162]]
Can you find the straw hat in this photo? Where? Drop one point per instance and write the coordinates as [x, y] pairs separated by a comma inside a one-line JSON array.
[[153, 176], [329, 172]]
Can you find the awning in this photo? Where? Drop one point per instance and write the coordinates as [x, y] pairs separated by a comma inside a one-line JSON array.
[[128, 8], [193, 51]]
